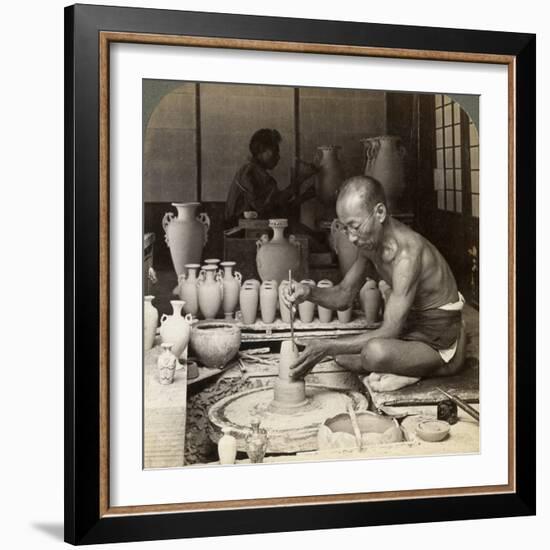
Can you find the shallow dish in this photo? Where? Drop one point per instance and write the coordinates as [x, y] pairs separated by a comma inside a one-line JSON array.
[[433, 430]]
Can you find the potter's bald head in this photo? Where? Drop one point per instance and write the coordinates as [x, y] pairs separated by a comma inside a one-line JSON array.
[[360, 191]]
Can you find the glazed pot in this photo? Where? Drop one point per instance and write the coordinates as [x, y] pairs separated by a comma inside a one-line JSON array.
[[275, 257], [175, 329], [185, 234], [371, 300], [330, 176], [307, 309], [188, 289], [248, 298], [345, 250], [231, 285], [268, 301], [384, 158], [215, 343], [166, 364], [256, 442], [150, 321], [325, 314], [209, 292]]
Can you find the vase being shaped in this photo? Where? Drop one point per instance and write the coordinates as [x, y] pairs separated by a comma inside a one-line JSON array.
[[277, 256], [185, 234]]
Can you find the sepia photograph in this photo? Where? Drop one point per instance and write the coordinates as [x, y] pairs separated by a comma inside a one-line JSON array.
[[310, 274]]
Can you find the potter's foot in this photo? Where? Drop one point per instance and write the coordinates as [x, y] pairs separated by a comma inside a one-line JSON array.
[[389, 382]]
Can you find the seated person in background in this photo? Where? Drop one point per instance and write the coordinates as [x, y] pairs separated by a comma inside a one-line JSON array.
[[421, 333], [254, 188]]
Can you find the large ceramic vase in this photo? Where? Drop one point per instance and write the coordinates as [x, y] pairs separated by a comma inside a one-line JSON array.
[[277, 256], [231, 285], [268, 301], [325, 314], [248, 299], [175, 329], [209, 292], [330, 176], [188, 289], [150, 321], [385, 161], [345, 250], [185, 234], [306, 309], [371, 301]]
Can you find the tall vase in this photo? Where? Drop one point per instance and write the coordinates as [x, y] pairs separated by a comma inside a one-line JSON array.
[[345, 250], [188, 289], [231, 283], [307, 308], [288, 392], [330, 175], [384, 160], [277, 256], [175, 329], [227, 447], [371, 300], [185, 234], [268, 301], [209, 292], [325, 314], [150, 321], [248, 299]]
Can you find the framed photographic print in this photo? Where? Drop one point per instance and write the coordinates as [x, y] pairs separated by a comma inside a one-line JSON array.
[[289, 303]]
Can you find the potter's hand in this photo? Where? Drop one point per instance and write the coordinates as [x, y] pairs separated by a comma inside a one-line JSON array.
[[313, 353], [298, 293], [307, 169]]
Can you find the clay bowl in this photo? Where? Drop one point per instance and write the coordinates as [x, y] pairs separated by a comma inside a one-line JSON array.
[[337, 432], [215, 343], [433, 430]]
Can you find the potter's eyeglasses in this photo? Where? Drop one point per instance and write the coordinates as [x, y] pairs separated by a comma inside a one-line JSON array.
[[356, 230]]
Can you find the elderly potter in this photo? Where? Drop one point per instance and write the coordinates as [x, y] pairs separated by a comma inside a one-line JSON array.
[[421, 332]]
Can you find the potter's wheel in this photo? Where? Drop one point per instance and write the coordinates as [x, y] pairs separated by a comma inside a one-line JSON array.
[[289, 430]]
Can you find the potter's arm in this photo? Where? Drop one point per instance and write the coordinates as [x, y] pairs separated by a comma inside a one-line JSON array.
[[398, 303], [341, 296]]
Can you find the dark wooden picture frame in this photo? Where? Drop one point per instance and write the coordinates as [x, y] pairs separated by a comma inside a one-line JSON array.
[[89, 30]]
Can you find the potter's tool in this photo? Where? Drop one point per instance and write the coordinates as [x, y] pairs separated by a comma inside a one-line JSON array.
[[447, 410], [291, 309], [462, 404], [355, 425]]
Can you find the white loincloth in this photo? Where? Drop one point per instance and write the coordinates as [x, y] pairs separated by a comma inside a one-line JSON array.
[[449, 353]]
